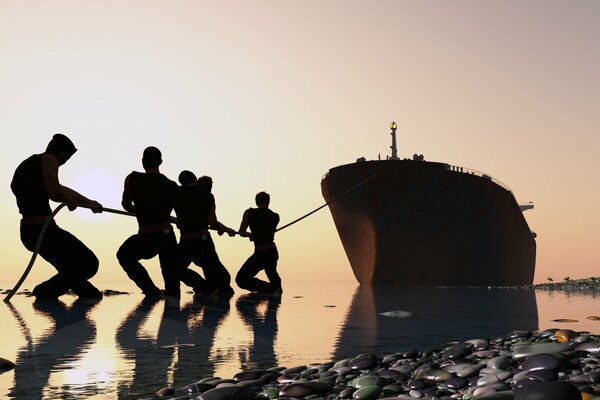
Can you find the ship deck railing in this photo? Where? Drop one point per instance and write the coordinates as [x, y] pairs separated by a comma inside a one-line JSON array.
[[471, 171]]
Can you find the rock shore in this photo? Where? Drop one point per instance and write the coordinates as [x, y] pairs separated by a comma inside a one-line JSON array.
[[584, 286], [555, 364]]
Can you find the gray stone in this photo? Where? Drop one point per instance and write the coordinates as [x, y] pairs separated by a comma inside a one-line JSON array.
[[347, 393], [253, 374], [549, 391], [456, 382], [6, 365], [362, 363], [505, 395], [590, 347], [499, 376], [523, 351], [464, 370], [542, 375], [303, 389], [500, 362], [543, 361], [227, 393]]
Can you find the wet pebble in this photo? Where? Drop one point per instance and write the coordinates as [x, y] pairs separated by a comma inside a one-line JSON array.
[[6, 365], [227, 393], [549, 391], [519, 365], [303, 389]]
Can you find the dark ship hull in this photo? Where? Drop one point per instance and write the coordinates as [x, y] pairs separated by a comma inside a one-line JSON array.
[[426, 223]]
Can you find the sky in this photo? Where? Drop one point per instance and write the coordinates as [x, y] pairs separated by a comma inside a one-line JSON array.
[[268, 95]]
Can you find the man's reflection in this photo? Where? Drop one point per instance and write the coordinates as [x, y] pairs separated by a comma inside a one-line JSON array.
[[72, 333], [180, 355], [259, 312]]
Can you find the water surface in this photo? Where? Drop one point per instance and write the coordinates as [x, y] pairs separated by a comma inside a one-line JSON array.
[[128, 347]]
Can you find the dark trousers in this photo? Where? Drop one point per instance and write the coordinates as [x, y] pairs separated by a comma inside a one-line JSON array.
[[73, 260], [261, 259], [202, 252], [144, 246]]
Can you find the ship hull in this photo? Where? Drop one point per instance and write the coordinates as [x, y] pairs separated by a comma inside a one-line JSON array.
[[420, 223]]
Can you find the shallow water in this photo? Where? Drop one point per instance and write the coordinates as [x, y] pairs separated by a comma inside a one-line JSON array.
[[126, 347]]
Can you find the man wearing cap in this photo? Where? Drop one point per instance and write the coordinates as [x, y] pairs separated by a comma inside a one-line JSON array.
[[150, 196], [34, 184]]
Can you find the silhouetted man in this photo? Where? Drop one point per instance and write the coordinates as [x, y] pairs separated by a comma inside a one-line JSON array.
[[262, 222], [150, 196], [195, 209], [35, 183], [206, 182]]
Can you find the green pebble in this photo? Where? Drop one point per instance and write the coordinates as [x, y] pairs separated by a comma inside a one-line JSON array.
[[271, 393], [312, 396], [369, 381], [392, 389], [367, 393], [325, 374]]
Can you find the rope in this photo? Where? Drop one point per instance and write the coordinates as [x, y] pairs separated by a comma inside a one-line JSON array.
[[326, 204], [38, 244]]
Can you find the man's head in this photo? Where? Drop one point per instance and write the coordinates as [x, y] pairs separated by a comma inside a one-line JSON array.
[[187, 178], [61, 147], [262, 199], [206, 182], [152, 157]]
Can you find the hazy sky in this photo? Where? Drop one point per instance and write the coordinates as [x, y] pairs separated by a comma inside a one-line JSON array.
[[268, 95]]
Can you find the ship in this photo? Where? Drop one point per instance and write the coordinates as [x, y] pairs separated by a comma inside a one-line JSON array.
[[416, 222]]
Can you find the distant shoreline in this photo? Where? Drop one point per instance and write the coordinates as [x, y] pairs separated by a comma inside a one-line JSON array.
[[587, 285]]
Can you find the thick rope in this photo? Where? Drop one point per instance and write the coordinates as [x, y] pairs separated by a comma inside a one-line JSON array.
[[38, 244], [326, 204]]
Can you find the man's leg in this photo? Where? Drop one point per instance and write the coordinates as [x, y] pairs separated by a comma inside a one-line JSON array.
[[168, 264], [269, 260], [214, 271], [187, 250], [74, 261], [138, 247], [245, 277]]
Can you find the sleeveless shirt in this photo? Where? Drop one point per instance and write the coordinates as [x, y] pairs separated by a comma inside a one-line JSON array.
[[192, 206], [262, 223], [153, 195], [29, 188]]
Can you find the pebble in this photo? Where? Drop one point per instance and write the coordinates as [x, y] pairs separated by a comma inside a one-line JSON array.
[[6, 365], [555, 364]]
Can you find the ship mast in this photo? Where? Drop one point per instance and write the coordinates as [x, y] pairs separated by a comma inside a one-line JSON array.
[[393, 146]]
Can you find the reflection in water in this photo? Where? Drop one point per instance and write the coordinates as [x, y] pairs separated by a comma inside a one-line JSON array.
[[263, 323], [431, 317], [181, 351], [72, 333], [128, 347]]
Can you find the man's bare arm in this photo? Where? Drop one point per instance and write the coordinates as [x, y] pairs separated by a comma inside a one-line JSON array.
[[243, 231], [127, 199], [214, 223], [60, 193]]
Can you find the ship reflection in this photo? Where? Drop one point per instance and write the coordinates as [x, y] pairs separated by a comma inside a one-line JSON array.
[[71, 334], [387, 319]]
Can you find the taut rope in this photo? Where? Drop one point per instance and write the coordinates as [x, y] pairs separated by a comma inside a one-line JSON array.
[[326, 204]]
